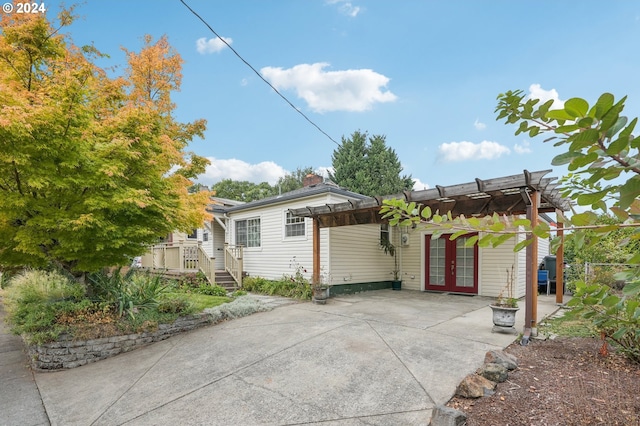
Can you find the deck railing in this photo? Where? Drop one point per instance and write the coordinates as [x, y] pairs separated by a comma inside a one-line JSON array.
[[233, 262], [180, 256]]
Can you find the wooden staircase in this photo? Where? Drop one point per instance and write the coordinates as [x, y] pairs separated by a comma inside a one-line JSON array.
[[178, 258], [224, 279]]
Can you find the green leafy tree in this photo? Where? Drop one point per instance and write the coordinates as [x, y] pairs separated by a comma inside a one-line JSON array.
[[366, 165], [603, 154], [92, 168], [248, 191], [242, 190], [614, 247], [293, 180]]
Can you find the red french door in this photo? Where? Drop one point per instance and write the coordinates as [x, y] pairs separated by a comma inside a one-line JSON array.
[[450, 266]]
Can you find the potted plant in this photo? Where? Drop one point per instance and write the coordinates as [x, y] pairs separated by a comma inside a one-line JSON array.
[[320, 293], [390, 249], [505, 307], [320, 289]]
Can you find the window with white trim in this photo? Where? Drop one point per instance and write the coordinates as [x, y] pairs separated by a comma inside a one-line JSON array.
[[294, 226], [248, 232], [384, 233]]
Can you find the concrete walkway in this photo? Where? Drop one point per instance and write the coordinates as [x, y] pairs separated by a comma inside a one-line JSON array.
[[376, 358], [20, 402]]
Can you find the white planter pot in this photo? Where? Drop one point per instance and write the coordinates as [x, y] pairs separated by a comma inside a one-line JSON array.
[[504, 318]]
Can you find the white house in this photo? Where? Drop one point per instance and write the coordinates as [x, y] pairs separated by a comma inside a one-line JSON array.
[[352, 256], [276, 236], [275, 242]]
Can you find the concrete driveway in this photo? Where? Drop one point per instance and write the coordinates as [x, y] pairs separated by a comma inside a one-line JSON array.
[[377, 358]]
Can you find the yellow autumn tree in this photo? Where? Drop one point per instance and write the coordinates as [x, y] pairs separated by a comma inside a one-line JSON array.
[[93, 168]]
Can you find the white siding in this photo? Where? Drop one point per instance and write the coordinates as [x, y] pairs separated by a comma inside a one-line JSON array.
[[521, 273], [218, 244], [356, 255], [412, 258], [544, 248], [278, 254], [207, 246], [493, 264]]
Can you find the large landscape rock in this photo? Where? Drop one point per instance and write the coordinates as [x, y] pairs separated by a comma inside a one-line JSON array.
[[445, 416], [494, 372], [508, 361], [475, 386]]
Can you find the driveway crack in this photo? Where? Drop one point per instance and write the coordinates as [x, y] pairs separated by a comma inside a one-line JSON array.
[[236, 371], [402, 362]]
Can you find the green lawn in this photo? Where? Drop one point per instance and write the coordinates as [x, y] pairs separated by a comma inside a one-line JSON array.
[[199, 301], [569, 326]]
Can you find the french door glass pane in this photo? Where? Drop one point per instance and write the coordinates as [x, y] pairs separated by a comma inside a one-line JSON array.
[[464, 263], [437, 262]]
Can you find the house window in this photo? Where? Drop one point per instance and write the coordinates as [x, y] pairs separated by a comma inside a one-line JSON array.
[[248, 232], [384, 233], [205, 236], [294, 226], [193, 235]]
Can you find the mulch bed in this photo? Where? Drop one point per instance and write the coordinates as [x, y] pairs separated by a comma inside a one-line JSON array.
[[561, 382]]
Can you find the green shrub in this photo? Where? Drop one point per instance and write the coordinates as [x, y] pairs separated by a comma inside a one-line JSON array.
[[42, 321], [192, 281], [294, 286], [40, 287], [174, 306], [239, 293], [615, 315], [253, 284], [211, 290], [129, 292]]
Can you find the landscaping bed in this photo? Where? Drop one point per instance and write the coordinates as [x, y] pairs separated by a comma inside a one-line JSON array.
[[565, 381], [66, 323]]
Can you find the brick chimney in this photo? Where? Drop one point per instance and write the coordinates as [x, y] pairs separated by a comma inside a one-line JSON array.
[[312, 179]]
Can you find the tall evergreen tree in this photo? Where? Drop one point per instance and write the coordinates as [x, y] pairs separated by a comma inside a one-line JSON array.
[[368, 166]]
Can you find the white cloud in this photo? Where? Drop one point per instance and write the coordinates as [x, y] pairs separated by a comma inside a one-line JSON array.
[[522, 149], [418, 185], [537, 92], [213, 45], [324, 171], [219, 169], [478, 125], [345, 7], [349, 90], [461, 151]]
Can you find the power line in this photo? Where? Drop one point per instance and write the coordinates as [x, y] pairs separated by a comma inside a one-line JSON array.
[[257, 73]]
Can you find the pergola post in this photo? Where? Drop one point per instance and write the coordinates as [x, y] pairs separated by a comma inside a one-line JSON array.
[[560, 261], [531, 293]]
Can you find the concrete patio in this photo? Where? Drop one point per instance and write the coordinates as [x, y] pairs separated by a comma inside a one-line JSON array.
[[375, 358]]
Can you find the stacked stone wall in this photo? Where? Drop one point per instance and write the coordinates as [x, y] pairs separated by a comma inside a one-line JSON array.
[[67, 353]]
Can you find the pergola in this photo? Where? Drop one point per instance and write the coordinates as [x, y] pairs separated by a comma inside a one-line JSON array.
[[529, 193]]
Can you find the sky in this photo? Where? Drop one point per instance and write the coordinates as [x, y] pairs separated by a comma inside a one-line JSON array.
[[425, 74]]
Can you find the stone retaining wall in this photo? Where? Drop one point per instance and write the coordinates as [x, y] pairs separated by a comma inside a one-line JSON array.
[[67, 353]]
